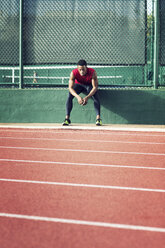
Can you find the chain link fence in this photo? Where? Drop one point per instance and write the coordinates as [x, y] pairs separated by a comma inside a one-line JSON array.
[[102, 32], [162, 32], [115, 37], [162, 44], [9, 32]]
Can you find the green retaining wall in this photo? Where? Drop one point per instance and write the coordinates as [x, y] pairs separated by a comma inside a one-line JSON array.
[[118, 106]]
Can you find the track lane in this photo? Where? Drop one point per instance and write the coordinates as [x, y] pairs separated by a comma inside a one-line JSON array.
[[124, 177], [84, 145], [94, 135], [91, 204], [83, 157], [19, 233], [147, 210]]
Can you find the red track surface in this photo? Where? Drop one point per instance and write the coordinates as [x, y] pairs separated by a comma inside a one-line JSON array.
[[125, 169]]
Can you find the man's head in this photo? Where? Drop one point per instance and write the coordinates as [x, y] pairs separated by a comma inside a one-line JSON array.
[[82, 67]]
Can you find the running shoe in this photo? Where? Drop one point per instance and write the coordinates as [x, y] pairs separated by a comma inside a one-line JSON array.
[[66, 122], [98, 122]]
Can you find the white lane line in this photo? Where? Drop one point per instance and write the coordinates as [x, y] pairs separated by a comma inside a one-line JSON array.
[[76, 150], [83, 164], [83, 222], [84, 140], [82, 185]]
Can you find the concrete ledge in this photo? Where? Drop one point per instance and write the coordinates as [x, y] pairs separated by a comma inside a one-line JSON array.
[[142, 128]]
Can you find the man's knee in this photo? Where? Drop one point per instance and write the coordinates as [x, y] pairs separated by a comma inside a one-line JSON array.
[[70, 97]]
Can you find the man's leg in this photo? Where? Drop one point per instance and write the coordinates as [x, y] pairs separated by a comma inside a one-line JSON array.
[[96, 105], [69, 103], [96, 101]]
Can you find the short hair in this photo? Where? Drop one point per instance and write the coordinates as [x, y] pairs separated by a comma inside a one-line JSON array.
[[82, 62]]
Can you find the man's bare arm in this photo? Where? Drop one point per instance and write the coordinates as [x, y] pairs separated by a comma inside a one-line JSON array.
[[94, 87], [71, 89]]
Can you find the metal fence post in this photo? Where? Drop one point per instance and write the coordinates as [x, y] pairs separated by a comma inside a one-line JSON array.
[[156, 43], [21, 46]]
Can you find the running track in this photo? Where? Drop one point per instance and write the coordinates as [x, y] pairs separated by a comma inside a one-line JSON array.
[[63, 188]]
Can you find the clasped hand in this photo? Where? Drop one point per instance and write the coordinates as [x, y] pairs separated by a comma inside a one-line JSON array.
[[82, 101]]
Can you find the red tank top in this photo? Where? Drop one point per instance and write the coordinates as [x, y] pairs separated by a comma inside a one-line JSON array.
[[87, 79]]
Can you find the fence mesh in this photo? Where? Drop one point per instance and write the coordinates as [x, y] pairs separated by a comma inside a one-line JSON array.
[[117, 35], [102, 32], [9, 32], [162, 32]]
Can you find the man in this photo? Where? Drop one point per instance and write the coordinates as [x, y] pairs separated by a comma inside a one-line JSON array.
[[83, 79]]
